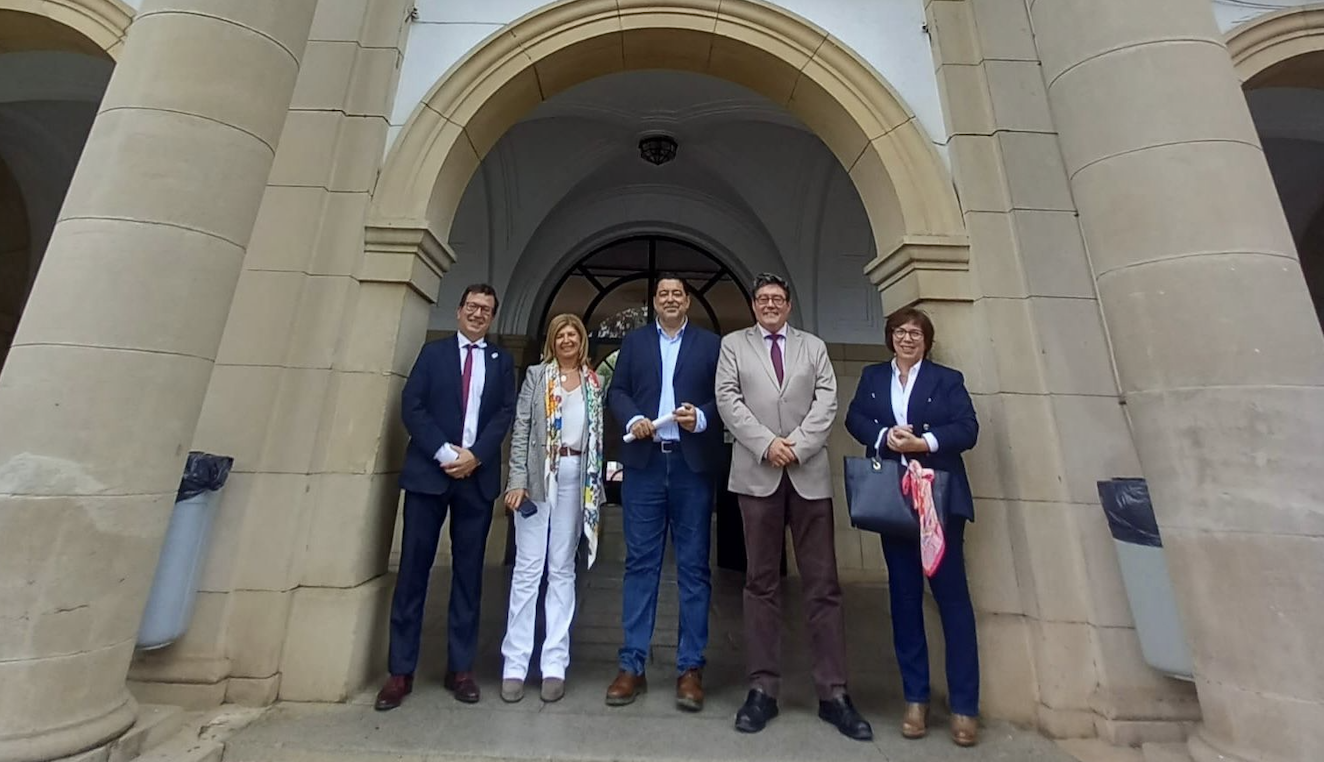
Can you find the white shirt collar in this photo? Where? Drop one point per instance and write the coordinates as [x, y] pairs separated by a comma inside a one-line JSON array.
[[914, 369], [765, 333], [663, 332], [464, 341]]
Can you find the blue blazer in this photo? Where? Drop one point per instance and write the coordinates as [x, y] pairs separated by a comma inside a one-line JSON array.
[[430, 407], [939, 405], [636, 389]]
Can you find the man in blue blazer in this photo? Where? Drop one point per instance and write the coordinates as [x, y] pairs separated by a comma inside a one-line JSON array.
[[667, 367], [458, 405]]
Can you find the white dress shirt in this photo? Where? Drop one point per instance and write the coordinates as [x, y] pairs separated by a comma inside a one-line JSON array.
[[901, 404], [477, 375]]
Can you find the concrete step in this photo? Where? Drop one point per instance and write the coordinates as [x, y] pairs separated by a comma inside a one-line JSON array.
[[1165, 752]]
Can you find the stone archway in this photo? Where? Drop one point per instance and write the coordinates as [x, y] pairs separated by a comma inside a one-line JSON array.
[[906, 190], [1263, 49], [86, 26], [57, 58], [1280, 61]]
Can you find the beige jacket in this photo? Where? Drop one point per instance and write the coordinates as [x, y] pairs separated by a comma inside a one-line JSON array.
[[756, 409]]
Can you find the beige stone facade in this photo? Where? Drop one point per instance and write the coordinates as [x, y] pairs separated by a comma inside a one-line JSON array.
[[248, 255]]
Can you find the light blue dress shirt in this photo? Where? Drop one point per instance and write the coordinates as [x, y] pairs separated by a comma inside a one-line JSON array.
[[670, 349]]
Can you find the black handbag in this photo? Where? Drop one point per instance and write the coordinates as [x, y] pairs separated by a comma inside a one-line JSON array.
[[875, 501]]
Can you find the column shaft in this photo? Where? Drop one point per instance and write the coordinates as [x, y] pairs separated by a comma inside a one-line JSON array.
[[1218, 351], [102, 388]]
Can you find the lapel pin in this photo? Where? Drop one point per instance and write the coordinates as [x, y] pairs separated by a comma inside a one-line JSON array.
[[494, 356]]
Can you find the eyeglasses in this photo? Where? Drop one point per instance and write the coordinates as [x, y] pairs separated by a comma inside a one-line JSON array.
[[775, 300], [914, 334], [473, 308]]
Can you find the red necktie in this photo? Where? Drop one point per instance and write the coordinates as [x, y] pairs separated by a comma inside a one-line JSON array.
[[777, 356], [465, 377]]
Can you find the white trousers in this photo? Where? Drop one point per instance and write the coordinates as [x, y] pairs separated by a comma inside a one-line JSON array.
[[547, 539]]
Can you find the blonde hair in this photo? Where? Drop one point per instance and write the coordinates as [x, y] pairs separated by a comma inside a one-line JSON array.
[[555, 327]]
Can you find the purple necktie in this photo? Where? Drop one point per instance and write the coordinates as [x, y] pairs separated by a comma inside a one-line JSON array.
[[465, 377], [777, 355]]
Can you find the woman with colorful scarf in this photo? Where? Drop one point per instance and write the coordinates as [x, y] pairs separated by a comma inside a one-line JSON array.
[[556, 492], [918, 412]]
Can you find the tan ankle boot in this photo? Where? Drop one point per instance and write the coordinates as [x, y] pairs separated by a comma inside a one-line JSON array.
[[965, 730], [915, 722]]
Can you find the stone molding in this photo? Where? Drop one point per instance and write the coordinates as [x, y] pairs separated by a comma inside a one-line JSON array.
[[1265, 42], [928, 268], [104, 22], [409, 255], [905, 187]]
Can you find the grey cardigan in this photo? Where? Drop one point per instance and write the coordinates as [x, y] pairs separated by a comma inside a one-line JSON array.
[[528, 440]]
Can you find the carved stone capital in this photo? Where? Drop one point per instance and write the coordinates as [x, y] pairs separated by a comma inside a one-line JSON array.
[[407, 255], [923, 269]]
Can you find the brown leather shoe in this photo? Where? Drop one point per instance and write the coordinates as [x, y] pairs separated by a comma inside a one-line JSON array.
[[626, 688], [965, 730], [463, 685], [915, 722], [393, 692], [689, 690]]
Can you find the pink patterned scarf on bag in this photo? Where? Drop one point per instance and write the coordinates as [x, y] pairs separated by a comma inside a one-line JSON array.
[[918, 484]]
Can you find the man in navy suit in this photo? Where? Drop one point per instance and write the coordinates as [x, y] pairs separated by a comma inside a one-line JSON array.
[[666, 368], [457, 405]]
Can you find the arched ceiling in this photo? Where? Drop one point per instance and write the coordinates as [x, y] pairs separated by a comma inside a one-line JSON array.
[[747, 174]]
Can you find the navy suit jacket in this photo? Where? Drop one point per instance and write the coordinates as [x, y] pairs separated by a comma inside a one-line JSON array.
[[430, 407], [939, 405], [636, 389]]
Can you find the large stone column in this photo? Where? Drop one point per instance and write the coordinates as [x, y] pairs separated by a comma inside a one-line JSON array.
[[102, 389], [1219, 355]]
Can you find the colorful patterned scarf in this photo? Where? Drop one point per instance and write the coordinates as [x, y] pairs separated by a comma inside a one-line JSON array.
[[918, 483], [593, 490]]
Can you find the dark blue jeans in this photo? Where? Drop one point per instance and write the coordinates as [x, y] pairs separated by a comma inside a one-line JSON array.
[[471, 519], [950, 591], [666, 494]]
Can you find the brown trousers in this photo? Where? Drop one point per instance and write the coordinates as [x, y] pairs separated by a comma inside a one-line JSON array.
[[766, 519]]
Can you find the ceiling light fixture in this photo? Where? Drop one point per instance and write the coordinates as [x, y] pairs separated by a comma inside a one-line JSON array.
[[657, 149]]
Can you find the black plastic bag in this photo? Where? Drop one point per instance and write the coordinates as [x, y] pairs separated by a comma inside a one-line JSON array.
[[203, 472], [1130, 513]]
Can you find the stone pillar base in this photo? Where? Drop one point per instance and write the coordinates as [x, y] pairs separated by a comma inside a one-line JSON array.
[[337, 640], [191, 696], [1203, 751], [86, 734]]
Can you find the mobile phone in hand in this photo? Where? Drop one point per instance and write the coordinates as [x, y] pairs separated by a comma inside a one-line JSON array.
[[527, 508]]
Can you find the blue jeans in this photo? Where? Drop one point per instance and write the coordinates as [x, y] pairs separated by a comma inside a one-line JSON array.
[[952, 594], [665, 494]]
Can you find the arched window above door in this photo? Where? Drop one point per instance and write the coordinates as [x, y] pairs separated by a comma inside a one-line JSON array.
[[611, 288]]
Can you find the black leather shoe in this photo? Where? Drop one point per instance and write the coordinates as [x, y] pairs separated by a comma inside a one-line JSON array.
[[841, 713], [759, 707]]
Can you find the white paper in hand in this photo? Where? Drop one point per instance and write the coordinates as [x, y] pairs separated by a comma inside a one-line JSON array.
[[448, 454], [664, 420]]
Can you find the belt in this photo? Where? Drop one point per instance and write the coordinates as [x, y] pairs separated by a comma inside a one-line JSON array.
[[567, 452], [669, 445]]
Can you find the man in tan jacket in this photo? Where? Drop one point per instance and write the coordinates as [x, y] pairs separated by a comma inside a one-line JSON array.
[[777, 393]]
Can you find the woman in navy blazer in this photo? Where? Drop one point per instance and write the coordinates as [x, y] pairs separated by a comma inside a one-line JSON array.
[[914, 408]]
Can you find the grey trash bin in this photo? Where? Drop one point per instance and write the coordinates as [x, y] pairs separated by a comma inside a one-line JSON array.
[[1145, 577], [184, 551]]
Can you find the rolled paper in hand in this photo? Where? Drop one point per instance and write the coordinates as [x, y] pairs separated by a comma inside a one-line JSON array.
[[448, 455], [664, 420]]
